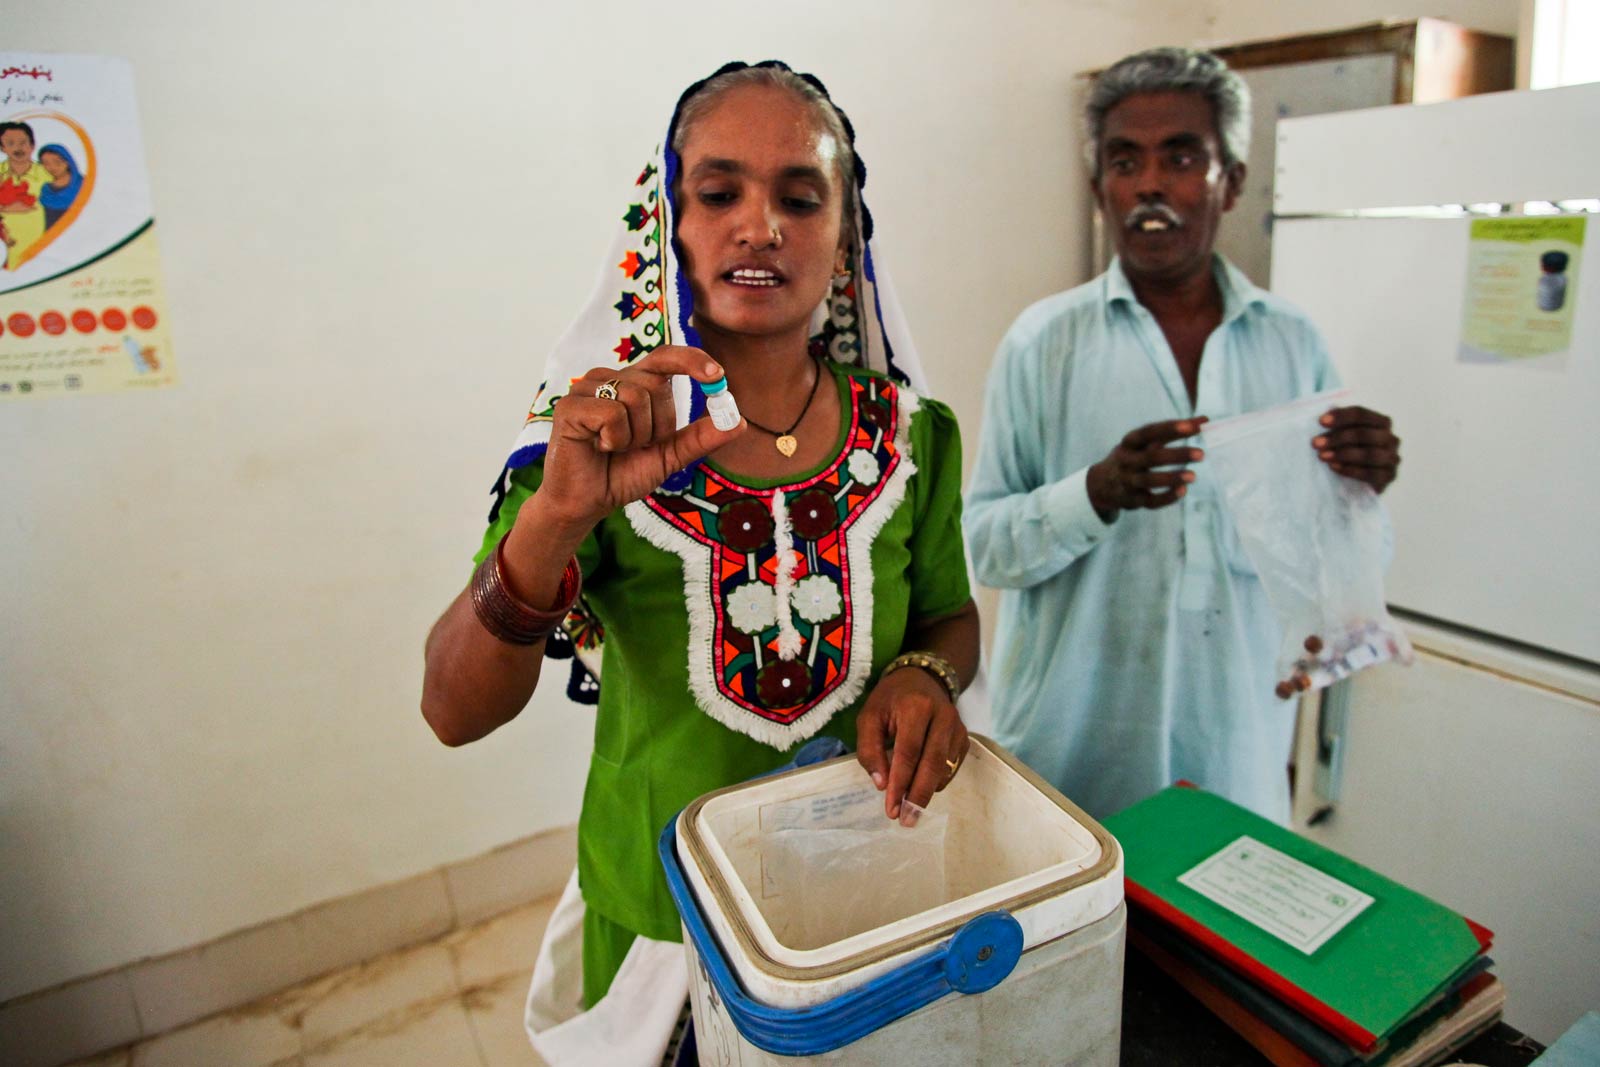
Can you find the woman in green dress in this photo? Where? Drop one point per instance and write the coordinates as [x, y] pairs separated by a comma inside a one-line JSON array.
[[799, 574]]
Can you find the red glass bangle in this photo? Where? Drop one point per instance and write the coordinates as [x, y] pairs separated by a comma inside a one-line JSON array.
[[510, 619]]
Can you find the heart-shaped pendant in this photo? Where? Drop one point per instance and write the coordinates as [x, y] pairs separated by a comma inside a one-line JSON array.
[[787, 444]]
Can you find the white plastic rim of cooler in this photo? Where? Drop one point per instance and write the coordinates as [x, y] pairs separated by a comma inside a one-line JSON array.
[[1005, 839]]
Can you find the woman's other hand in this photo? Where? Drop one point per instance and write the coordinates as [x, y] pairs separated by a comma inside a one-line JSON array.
[[910, 712], [607, 452]]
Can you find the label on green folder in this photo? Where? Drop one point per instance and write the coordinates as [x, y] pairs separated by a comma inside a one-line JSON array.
[[1362, 984], [1290, 900]]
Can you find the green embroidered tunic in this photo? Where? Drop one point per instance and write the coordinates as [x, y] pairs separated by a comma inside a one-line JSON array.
[[700, 658]]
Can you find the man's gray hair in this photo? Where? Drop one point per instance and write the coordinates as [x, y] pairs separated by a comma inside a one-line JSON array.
[[1173, 70]]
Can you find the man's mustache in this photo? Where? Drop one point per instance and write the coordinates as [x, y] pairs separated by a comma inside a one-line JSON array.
[[1153, 211]]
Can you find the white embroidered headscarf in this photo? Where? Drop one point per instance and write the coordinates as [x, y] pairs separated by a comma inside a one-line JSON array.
[[643, 300]]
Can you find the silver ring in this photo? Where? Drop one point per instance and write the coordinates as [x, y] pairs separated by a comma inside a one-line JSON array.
[[608, 389]]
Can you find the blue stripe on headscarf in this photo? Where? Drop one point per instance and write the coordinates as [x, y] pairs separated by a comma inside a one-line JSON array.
[[877, 307]]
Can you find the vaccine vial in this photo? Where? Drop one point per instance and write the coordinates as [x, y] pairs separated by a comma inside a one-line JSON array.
[[1553, 282], [720, 404]]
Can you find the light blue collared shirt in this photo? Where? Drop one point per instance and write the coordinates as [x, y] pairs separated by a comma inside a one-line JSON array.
[[1134, 654]]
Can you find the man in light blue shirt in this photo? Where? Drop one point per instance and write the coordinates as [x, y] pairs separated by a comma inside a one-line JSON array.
[[1135, 646]]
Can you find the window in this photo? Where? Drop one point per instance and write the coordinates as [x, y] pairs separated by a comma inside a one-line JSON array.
[[1564, 42]]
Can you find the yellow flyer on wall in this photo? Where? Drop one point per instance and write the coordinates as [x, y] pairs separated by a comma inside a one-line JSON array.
[[1522, 276], [82, 306]]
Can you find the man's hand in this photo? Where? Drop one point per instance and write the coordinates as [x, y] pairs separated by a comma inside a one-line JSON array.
[[911, 711], [1128, 478], [1359, 444]]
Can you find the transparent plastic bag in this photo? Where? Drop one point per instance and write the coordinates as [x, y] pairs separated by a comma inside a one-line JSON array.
[[1316, 538], [842, 868]]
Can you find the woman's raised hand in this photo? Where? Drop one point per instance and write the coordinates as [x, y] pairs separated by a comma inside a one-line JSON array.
[[608, 451]]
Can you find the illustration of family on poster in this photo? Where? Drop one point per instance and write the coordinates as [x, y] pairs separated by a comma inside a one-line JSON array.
[[82, 306]]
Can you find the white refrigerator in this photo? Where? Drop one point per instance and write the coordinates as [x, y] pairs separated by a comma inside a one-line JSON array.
[[1473, 775]]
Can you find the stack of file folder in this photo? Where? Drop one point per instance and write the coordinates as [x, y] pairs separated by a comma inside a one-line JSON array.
[[1314, 959]]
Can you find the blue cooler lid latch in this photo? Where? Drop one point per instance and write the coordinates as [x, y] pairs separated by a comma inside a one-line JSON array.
[[983, 952]]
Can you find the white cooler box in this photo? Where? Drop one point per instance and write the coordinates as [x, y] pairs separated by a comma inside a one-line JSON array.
[[817, 931]]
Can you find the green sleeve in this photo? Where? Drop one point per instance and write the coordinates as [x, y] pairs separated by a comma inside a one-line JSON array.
[[938, 569], [522, 483]]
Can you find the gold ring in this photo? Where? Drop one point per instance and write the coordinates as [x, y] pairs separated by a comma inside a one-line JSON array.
[[608, 389], [953, 765]]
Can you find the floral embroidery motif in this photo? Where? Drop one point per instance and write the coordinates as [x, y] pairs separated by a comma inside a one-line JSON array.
[[753, 607], [812, 514], [863, 466], [779, 579], [746, 525], [782, 682], [817, 599]]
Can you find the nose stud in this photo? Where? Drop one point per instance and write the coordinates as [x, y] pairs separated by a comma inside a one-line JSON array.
[[774, 237]]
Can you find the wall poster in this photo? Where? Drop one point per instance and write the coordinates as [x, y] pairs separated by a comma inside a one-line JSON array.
[[1522, 276], [82, 305]]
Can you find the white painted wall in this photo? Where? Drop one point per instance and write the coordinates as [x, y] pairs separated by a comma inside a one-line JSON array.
[[374, 219]]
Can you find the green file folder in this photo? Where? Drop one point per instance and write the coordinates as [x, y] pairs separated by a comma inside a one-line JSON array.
[[1359, 980]]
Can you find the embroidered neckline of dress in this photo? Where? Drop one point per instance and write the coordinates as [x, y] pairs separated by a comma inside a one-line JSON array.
[[780, 604]]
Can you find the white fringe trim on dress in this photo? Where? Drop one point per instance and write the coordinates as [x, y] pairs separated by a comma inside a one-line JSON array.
[[789, 640]]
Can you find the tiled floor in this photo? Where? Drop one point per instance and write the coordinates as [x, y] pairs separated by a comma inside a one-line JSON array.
[[454, 1002]]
